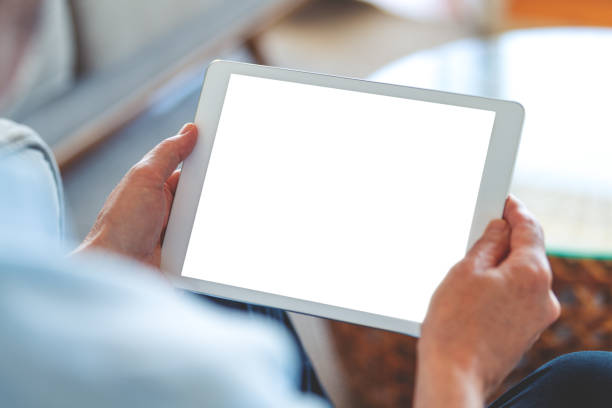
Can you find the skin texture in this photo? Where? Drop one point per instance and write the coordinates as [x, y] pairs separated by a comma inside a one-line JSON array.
[[133, 219], [490, 308]]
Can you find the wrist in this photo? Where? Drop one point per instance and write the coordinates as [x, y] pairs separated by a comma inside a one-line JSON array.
[[447, 379], [95, 239]]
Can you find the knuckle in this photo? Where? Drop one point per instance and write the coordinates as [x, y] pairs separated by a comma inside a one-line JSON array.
[[539, 278], [166, 144], [555, 308], [466, 265], [540, 265], [140, 168], [144, 170], [535, 273], [531, 223], [169, 148], [539, 230], [538, 233], [551, 310], [543, 269]]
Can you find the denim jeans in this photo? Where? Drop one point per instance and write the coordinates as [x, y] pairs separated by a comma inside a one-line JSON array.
[[309, 381], [582, 379]]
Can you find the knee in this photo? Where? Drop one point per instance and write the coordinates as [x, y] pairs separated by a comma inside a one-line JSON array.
[[583, 366], [576, 379], [579, 377]]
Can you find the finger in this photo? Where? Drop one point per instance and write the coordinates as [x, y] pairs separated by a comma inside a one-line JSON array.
[[493, 246], [172, 181], [166, 156], [525, 230], [527, 250]]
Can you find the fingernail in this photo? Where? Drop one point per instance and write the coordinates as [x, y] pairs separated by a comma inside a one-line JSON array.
[[187, 128]]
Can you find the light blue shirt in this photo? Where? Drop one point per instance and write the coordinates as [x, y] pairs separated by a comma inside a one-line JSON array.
[[101, 331]]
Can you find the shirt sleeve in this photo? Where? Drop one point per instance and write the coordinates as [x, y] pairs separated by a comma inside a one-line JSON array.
[[35, 204], [101, 331]]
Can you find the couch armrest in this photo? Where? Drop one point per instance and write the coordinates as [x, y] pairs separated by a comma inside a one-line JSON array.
[[103, 102]]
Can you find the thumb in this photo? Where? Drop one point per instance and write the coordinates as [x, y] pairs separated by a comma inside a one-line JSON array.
[[493, 246], [164, 158]]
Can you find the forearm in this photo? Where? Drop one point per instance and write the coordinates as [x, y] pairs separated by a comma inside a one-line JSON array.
[[445, 383]]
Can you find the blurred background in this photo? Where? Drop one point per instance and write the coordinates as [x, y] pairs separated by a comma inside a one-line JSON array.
[[104, 81]]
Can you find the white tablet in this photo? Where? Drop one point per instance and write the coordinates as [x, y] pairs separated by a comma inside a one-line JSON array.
[[335, 197]]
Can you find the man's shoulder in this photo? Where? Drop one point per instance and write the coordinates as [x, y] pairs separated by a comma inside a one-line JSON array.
[[14, 133], [15, 137], [104, 317]]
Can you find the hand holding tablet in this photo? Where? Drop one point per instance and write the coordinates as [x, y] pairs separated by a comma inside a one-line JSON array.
[[335, 197]]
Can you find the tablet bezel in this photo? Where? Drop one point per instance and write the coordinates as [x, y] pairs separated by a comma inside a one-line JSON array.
[[493, 190]]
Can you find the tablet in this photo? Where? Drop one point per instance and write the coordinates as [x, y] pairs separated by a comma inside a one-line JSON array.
[[335, 197]]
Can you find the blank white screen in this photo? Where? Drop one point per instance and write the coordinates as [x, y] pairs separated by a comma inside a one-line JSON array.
[[339, 197]]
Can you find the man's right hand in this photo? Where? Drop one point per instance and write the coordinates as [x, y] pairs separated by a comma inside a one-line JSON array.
[[490, 308]]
